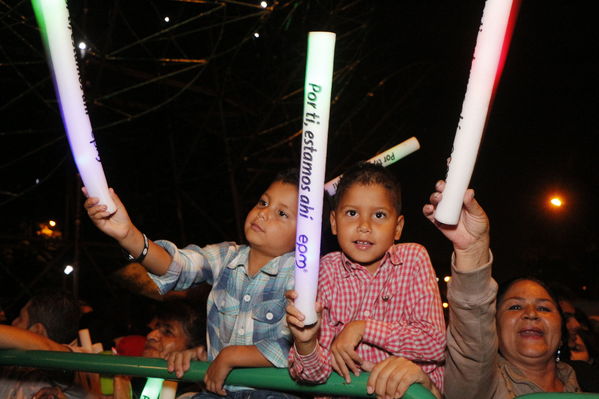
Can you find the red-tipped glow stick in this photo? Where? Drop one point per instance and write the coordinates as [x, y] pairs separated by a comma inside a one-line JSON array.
[[483, 76], [385, 158], [53, 19], [317, 103]]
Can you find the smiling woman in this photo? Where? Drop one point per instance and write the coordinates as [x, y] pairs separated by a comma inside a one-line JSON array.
[[505, 350]]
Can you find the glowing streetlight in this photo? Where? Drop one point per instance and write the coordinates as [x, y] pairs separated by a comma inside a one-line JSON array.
[[556, 202], [446, 279], [52, 223], [263, 4], [68, 269], [445, 305]]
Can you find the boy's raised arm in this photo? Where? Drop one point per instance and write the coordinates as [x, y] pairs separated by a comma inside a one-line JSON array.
[[118, 225]]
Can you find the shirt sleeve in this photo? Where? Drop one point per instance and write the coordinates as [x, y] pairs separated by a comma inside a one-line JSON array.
[[316, 367], [192, 265], [471, 336], [421, 335]]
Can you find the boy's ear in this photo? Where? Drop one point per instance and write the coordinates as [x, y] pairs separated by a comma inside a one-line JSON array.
[[333, 223], [39, 329], [399, 227]]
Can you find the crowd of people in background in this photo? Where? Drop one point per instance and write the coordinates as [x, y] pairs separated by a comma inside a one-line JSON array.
[[378, 306]]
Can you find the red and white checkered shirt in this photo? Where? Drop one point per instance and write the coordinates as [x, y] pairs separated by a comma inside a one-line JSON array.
[[400, 303]]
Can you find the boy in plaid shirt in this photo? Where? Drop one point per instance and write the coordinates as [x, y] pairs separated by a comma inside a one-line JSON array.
[[378, 302], [246, 306]]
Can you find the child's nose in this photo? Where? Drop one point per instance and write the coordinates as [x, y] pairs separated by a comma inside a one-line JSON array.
[[263, 213], [364, 226]]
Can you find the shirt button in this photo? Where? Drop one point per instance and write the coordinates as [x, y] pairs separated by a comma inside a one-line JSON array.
[[367, 313], [269, 316], [247, 297], [241, 331]]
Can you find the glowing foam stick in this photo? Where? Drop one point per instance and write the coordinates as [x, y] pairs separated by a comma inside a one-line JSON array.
[[483, 74], [53, 19], [152, 388], [85, 340], [385, 158], [317, 102], [169, 390]]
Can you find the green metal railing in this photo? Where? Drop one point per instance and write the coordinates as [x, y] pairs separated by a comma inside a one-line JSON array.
[[559, 395], [266, 378]]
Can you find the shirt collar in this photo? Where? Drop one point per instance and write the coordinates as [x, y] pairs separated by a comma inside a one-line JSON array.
[[272, 268], [391, 258], [564, 372]]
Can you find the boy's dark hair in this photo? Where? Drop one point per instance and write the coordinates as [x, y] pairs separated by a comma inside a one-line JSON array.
[[192, 320], [58, 312], [288, 176], [369, 173]]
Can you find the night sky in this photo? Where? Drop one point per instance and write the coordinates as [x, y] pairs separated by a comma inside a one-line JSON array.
[[194, 116]]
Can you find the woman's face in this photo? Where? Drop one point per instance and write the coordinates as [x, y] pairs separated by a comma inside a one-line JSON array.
[[528, 324]]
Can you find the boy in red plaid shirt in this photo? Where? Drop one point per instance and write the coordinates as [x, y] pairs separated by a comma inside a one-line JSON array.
[[378, 302]]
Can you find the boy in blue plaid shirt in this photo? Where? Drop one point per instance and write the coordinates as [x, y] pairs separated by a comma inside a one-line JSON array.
[[246, 306]]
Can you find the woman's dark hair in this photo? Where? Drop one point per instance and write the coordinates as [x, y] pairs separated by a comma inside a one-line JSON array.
[[192, 320], [369, 173], [503, 287]]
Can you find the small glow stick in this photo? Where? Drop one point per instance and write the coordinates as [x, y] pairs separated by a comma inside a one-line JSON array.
[[317, 102], [385, 158], [169, 390], [53, 19], [85, 340], [483, 75], [152, 388]]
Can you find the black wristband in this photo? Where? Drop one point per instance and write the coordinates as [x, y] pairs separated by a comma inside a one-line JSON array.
[[143, 254]]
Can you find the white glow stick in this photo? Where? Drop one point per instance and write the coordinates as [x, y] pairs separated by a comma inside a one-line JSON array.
[[152, 388], [485, 63], [169, 390], [85, 340], [385, 158], [53, 19], [317, 102]]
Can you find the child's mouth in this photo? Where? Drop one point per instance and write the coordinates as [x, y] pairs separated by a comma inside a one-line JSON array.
[[362, 244], [256, 227]]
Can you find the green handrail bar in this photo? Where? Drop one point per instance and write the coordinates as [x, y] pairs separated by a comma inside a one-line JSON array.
[[266, 378], [559, 395]]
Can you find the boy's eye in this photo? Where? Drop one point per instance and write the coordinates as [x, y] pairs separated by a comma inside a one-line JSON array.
[[515, 307], [380, 215], [351, 212], [543, 309], [262, 202], [283, 214]]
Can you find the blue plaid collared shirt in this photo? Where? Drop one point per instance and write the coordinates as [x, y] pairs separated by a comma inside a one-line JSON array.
[[242, 310]]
